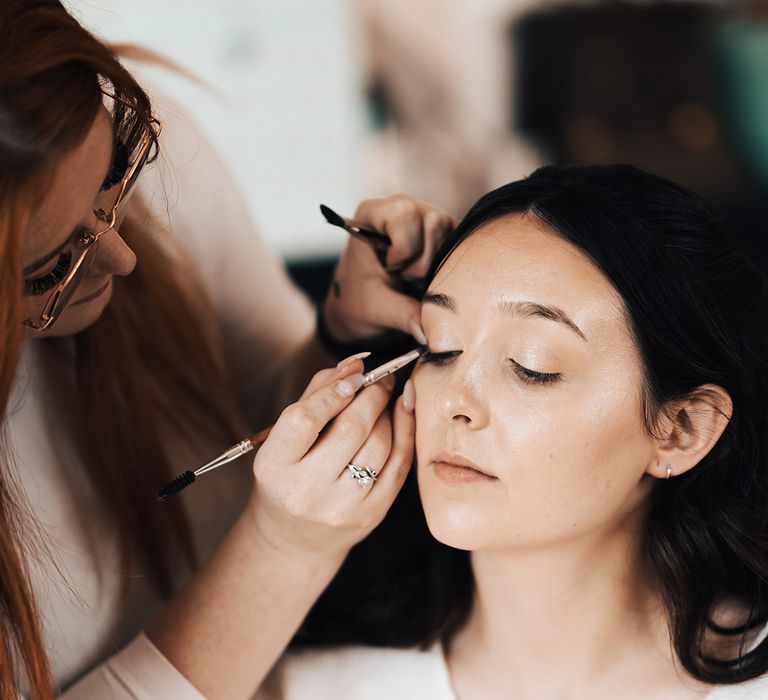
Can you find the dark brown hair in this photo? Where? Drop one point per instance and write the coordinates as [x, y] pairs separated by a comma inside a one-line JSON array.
[[698, 308]]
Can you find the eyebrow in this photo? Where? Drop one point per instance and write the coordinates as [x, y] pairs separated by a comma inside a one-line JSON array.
[[29, 269], [526, 309]]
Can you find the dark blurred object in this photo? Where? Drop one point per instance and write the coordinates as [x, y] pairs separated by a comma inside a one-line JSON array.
[[635, 83], [313, 276]]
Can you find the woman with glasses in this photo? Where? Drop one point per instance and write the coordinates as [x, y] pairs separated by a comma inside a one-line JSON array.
[[136, 342]]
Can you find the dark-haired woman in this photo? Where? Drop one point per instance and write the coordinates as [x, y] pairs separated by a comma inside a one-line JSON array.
[[126, 335], [592, 462]]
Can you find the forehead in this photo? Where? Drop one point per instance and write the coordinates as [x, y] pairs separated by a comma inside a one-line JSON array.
[[76, 182], [519, 258]]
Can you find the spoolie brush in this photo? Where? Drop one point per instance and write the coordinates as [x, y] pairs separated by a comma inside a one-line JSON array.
[[178, 484]]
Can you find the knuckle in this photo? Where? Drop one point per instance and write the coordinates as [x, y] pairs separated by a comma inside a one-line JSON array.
[[323, 376], [367, 205], [337, 520], [298, 418], [298, 504], [352, 429]]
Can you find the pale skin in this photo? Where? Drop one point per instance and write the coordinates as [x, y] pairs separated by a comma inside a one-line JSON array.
[[306, 512], [562, 608]]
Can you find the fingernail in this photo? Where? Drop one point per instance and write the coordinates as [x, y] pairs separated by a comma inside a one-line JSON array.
[[409, 397], [349, 386], [417, 332], [349, 360]]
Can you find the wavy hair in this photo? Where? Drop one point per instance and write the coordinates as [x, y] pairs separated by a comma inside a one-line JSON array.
[[698, 308]]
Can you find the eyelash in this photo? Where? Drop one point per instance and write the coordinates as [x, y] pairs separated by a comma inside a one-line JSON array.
[[527, 376], [40, 285], [118, 168]]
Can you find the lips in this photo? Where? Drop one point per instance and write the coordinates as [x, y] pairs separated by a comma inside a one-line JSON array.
[[91, 297], [458, 463]]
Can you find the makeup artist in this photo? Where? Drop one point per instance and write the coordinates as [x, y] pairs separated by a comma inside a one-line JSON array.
[[144, 328]]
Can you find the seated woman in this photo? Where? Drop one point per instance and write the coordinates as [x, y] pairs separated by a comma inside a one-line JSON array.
[[592, 429]]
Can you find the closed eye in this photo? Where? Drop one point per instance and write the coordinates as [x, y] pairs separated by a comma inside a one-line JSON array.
[[439, 358], [40, 285], [527, 376], [530, 376]]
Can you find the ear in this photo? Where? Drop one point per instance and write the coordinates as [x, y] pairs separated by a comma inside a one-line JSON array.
[[689, 428]]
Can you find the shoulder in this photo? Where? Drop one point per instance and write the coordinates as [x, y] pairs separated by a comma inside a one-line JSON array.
[[756, 689], [366, 673]]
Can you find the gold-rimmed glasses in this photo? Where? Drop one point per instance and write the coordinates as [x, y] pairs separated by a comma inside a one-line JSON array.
[[87, 242]]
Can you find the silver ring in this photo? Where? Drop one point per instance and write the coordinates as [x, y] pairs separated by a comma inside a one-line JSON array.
[[364, 476]]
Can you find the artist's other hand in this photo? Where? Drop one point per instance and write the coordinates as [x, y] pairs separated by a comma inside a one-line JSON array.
[[361, 302], [306, 501]]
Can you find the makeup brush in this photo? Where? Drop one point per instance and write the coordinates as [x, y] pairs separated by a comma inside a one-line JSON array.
[[187, 478], [380, 243]]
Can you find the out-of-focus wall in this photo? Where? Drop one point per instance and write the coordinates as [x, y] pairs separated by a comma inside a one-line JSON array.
[[287, 118], [444, 65]]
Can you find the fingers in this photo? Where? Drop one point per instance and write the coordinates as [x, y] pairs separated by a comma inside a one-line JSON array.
[[299, 425], [350, 430], [372, 455], [399, 312], [437, 226], [395, 469], [345, 368], [400, 217]]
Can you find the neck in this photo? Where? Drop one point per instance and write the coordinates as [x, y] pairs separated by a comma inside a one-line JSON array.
[[562, 615]]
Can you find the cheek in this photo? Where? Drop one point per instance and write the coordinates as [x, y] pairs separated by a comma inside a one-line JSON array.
[[569, 460]]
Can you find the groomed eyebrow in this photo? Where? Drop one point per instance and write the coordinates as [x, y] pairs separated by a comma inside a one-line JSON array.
[[526, 309]]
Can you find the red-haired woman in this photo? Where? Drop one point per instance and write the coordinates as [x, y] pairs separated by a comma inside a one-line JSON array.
[[130, 342]]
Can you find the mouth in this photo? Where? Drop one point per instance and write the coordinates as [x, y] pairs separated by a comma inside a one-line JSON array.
[[93, 295], [456, 469]]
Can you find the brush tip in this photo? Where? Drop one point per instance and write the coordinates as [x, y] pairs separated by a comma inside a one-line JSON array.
[[331, 216], [178, 484]]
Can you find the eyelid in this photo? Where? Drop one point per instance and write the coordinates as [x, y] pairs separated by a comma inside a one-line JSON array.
[[35, 268], [534, 375]]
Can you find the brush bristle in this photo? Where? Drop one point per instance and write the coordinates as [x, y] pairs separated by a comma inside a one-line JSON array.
[[178, 484], [331, 216]]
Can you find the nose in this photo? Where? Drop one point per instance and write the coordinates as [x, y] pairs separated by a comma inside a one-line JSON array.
[[460, 399], [114, 256]]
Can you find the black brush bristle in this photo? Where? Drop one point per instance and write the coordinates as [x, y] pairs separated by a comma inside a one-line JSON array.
[[178, 484], [331, 216]]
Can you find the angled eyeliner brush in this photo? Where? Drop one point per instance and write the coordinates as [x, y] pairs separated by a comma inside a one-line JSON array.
[[380, 243], [187, 478]]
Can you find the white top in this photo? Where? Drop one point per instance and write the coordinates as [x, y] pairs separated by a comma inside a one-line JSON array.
[[365, 673], [265, 323]]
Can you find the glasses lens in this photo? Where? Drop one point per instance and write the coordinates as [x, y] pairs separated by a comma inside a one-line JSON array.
[[69, 294]]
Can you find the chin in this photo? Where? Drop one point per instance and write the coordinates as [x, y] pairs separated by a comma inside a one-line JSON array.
[[460, 520]]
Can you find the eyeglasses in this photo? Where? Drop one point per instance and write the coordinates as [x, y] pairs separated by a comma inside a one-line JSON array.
[[87, 244]]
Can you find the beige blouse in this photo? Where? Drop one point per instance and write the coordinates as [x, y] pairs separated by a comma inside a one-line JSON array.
[[268, 326]]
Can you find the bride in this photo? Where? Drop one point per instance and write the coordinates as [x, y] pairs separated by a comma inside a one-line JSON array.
[[592, 464]]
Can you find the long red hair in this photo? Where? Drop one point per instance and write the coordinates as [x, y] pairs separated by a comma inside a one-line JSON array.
[[135, 344]]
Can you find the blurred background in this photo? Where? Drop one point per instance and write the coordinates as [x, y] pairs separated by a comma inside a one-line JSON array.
[[334, 101]]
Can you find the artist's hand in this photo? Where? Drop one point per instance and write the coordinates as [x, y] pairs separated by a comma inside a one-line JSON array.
[[306, 501], [361, 302]]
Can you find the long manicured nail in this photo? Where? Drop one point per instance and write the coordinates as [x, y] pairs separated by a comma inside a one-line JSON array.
[[409, 397], [417, 332], [349, 386], [349, 360]]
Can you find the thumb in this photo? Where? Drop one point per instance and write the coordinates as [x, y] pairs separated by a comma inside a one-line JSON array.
[[401, 312]]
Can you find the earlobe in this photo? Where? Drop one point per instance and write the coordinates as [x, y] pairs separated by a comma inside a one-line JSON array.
[[690, 429]]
